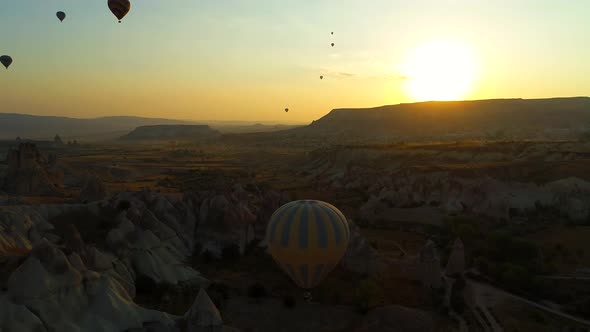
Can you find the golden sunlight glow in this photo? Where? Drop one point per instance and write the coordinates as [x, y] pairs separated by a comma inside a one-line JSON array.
[[439, 70]]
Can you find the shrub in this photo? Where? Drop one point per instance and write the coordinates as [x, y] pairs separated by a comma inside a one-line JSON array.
[[231, 253], [60, 267], [197, 249], [515, 277], [366, 295], [375, 244], [219, 293], [144, 284], [438, 297], [257, 291], [206, 257], [483, 265], [458, 303], [123, 205], [289, 301], [328, 293], [457, 300], [220, 288], [459, 284]]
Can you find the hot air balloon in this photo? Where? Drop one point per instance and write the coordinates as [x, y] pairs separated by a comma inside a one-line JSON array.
[[321, 77], [286, 110], [6, 61], [332, 44], [332, 32], [120, 8], [307, 239], [61, 15]]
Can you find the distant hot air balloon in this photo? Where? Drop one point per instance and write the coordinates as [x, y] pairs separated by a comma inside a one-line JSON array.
[[307, 239], [6, 60], [321, 77], [120, 8], [332, 44], [286, 110], [332, 32], [61, 15]]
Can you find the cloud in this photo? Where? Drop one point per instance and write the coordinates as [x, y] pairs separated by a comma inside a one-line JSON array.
[[343, 74]]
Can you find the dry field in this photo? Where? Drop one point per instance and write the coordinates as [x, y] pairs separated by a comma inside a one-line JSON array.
[[566, 247]]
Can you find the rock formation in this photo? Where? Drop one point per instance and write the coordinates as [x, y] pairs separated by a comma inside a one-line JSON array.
[[64, 298], [429, 266], [360, 256], [74, 267], [456, 263], [224, 222], [93, 190], [31, 173], [412, 181], [203, 315]]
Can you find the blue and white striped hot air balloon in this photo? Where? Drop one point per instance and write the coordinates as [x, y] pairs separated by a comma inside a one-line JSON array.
[[307, 239]]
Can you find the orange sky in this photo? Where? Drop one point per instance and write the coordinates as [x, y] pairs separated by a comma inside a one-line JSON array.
[[232, 60]]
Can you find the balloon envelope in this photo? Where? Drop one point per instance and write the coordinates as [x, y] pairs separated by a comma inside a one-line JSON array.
[[119, 8], [61, 16], [307, 239], [6, 61]]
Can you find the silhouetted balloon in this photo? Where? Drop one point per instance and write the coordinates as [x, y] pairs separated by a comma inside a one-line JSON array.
[[61, 16], [332, 32], [6, 61], [332, 44], [120, 8], [286, 110], [321, 77], [307, 239]]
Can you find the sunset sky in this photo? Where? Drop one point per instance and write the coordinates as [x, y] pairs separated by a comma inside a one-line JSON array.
[[249, 59]]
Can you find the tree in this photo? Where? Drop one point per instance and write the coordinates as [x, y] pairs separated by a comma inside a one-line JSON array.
[[457, 300], [483, 265], [366, 295], [144, 284], [219, 293], [231, 253], [123, 205], [257, 291], [289, 301], [206, 257], [515, 277]]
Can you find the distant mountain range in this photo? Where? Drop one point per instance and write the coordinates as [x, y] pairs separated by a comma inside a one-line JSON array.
[[553, 118], [46, 127]]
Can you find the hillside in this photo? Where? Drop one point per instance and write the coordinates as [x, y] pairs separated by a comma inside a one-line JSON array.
[[168, 132], [522, 118]]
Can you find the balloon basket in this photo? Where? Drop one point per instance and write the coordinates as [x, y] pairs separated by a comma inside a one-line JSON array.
[[307, 297]]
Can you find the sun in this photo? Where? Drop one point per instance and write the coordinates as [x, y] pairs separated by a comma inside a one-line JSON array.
[[440, 70]]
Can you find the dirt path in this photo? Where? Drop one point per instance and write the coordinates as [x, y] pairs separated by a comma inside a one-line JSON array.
[[488, 295]]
